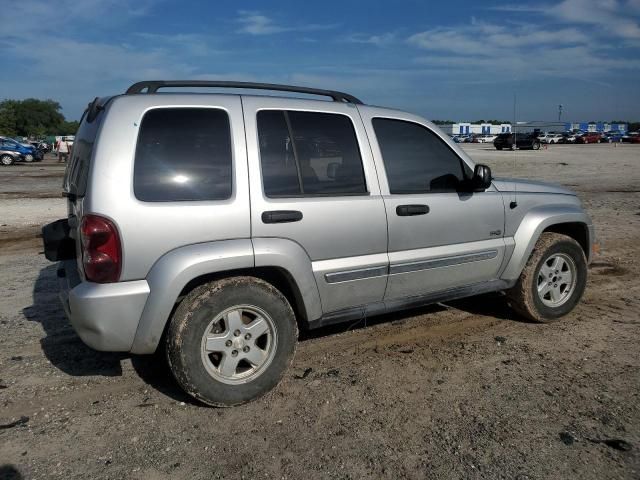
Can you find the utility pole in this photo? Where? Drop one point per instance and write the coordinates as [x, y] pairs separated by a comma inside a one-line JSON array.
[[559, 113]]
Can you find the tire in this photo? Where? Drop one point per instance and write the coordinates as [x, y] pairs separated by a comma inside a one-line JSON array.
[[498, 148], [218, 371], [535, 146], [6, 160], [525, 298], [28, 158]]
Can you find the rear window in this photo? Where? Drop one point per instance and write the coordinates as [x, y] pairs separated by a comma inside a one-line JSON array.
[[183, 154]]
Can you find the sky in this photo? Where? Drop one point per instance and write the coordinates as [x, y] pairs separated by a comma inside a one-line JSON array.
[[456, 60]]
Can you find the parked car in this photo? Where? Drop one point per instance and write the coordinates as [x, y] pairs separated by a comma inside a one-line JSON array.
[[631, 137], [9, 157], [567, 137], [611, 137], [44, 147], [522, 141], [486, 138], [213, 230], [27, 153], [550, 138], [589, 137]]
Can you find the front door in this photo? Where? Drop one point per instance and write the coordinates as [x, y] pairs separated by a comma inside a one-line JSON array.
[[313, 183], [439, 238]]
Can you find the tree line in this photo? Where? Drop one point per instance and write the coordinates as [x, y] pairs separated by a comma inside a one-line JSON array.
[[34, 118]]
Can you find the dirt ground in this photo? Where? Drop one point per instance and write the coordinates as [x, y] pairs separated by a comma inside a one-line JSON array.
[[459, 390]]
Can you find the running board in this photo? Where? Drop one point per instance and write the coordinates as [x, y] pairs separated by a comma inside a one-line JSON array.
[[390, 306]]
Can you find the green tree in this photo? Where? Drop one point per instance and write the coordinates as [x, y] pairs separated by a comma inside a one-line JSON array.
[[38, 117], [8, 118], [32, 118], [69, 128]]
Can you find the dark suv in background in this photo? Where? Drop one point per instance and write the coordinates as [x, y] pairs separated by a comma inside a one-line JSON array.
[[522, 140]]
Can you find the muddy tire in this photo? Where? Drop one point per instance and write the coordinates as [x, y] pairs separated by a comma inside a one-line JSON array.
[[230, 341], [553, 280]]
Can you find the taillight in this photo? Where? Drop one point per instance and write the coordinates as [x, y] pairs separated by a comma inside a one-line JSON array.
[[101, 252]]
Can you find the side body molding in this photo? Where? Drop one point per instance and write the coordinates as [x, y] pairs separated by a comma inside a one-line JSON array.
[[531, 227], [171, 273], [290, 256]]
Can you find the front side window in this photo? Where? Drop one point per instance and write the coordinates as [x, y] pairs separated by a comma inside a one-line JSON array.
[[416, 159], [183, 154], [309, 153]]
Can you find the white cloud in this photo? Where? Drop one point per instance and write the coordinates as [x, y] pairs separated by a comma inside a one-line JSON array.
[[614, 17], [255, 23], [489, 40], [480, 51], [380, 40]]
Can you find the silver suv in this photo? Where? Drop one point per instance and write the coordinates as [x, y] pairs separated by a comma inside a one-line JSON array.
[[214, 225]]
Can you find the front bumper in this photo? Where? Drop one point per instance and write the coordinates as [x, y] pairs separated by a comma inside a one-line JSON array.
[[105, 315]]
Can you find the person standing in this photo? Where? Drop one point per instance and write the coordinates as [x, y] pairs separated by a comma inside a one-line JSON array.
[[63, 150]]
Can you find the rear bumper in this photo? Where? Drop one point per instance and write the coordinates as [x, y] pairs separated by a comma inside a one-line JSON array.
[[105, 315]]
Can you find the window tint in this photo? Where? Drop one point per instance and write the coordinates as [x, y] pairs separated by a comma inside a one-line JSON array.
[[77, 172], [279, 169], [416, 160], [183, 154], [309, 153]]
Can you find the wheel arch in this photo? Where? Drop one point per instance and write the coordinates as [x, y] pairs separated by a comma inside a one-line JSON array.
[[577, 230], [282, 263], [570, 220]]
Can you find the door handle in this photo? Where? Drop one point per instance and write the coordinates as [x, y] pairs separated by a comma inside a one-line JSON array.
[[281, 216], [410, 210]]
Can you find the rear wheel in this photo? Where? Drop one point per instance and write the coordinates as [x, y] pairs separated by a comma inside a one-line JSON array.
[[6, 160], [498, 148], [230, 341], [553, 280]]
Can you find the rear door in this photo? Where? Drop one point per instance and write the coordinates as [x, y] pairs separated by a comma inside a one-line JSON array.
[[313, 182], [439, 238]]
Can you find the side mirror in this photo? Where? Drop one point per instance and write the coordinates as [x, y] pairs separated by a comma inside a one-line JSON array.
[[481, 177]]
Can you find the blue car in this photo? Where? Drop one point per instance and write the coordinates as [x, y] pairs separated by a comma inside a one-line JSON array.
[[28, 153], [612, 137]]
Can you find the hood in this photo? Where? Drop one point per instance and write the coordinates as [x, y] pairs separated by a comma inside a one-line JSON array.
[[529, 186]]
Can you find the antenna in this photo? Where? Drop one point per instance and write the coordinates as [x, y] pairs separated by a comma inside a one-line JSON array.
[[514, 203]]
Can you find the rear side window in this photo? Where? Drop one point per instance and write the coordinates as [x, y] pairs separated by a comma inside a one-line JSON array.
[[183, 154], [309, 154], [77, 172], [416, 159]]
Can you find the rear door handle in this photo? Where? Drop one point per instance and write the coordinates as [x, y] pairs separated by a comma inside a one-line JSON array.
[[410, 210], [281, 216]]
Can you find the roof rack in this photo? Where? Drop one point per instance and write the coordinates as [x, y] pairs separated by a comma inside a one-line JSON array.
[[152, 86]]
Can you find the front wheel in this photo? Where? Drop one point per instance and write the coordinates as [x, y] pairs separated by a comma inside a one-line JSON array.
[[6, 160], [28, 157], [553, 280], [536, 146], [230, 341]]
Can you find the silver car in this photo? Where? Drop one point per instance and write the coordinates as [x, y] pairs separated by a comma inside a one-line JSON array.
[[214, 226]]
